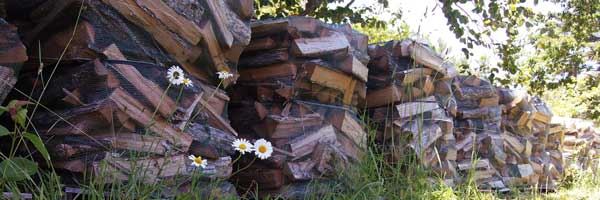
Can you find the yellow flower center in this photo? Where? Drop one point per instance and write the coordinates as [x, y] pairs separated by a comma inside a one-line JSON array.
[[198, 160], [186, 81], [243, 146], [262, 149]]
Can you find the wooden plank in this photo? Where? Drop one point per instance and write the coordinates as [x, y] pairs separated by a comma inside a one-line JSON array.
[[264, 58], [305, 145], [217, 10], [348, 124], [271, 71], [355, 67], [300, 171], [513, 142], [244, 8], [149, 89], [426, 56], [332, 79], [539, 116], [410, 76], [393, 93], [172, 20], [267, 27], [261, 44], [317, 47], [420, 106], [286, 126], [130, 10], [143, 116]]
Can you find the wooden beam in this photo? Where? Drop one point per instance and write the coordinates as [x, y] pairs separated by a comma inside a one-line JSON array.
[[149, 89]]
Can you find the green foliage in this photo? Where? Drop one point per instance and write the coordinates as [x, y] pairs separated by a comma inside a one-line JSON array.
[[38, 144], [321, 9], [17, 169]]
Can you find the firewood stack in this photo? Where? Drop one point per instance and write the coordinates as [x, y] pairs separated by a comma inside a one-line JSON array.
[[581, 145], [112, 105], [411, 100], [300, 83], [532, 143], [459, 125], [12, 55]]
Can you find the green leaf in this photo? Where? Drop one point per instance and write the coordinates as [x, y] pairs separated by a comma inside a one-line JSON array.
[[3, 109], [4, 131], [39, 145], [17, 169], [21, 117]]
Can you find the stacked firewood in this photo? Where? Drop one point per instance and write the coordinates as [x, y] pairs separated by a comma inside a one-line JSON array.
[[101, 69], [459, 126], [532, 143], [300, 82], [411, 100], [581, 143]]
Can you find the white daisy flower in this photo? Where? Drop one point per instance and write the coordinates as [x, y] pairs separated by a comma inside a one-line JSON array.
[[187, 82], [175, 75], [263, 149], [224, 75], [242, 145], [197, 161]]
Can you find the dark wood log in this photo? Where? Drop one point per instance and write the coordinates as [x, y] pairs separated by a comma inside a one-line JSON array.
[[12, 51]]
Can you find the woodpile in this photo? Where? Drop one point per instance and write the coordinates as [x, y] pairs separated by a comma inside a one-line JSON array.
[[300, 83], [459, 126], [581, 142], [101, 68]]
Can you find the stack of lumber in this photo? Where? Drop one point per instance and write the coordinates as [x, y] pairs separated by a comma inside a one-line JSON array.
[[300, 82], [581, 143], [12, 55], [410, 99], [101, 67]]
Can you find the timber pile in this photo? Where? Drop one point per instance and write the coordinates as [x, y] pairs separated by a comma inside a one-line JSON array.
[[300, 82], [581, 143], [410, 99], [459, 125], [114, 113]]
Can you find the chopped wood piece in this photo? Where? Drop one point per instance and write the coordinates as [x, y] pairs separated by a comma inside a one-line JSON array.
[[217, 9], [305, 145], [419, 106], [355, 67], [143, 116], [348, 124], [149, 89], [271, 71], [316, 47], [287, 126]]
